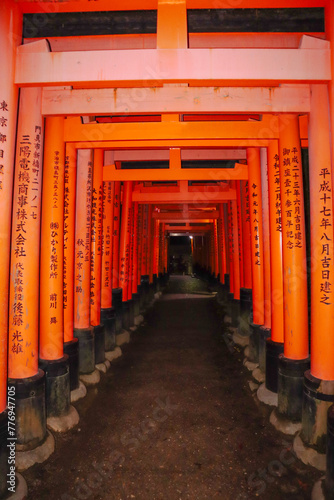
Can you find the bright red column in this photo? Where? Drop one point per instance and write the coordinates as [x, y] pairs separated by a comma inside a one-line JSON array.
[[10, 38], [254, 168], [51, 327], [266, 238], [235, 250], [140, 242], [83, 239], [322, 236], [124, 249], [246, 235], [135, 249], [230, 245], [69, 239], [294, 244], [240, 239], [116, 235], [96, 239], [275, 219], [25, 241], [107, 244]]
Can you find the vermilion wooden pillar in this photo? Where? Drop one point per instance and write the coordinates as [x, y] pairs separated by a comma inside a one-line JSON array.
[[275, 344], [124, 250], [117, 291], [107, 241], [83, 219], [320, 379], [221, 244], [227, 245], [23, 369], [246, 290], [230, 247], [140, 243], [296, 343], [96, 258], [240, 239], [135, 294], [10, 38], [235, 311], [255, 196], [71, 345], [216, 256]]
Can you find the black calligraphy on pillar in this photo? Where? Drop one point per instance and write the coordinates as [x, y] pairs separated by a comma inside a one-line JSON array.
[[3, 138], [66, 226], [292, 189], [278, 209], [325, 190], [254, 194]]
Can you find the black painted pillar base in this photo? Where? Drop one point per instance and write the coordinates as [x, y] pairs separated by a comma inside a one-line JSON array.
[[108, 319], [30, 413], [155, 283], [254, 341], [57, 384], [146, 291], [117, 303], [273, 350], [71, 348], [86, 349], [126, 315], [290, 387], [318, 397], [235, 313], [141, 291], [135, 298], [151, 292], [264, 335], [230, 298], [99, 340], [246, 306], [329, 480], [3, 453], [131, 312]]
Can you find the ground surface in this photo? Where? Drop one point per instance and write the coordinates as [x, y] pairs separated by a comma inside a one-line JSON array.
[[174, 418]]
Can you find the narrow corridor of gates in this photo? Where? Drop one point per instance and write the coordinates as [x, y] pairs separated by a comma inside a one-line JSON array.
[[174, 419]]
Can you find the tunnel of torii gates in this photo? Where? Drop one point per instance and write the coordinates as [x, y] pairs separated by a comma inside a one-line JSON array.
[[211, 143]]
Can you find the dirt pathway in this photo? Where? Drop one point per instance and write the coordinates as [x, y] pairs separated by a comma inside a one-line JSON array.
[[174, 418]]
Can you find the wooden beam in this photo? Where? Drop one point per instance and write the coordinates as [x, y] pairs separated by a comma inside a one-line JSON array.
[[190, 216], [144, 68], [186, 155], [286, 98], [75, 131], [196, 198], [172, 143]]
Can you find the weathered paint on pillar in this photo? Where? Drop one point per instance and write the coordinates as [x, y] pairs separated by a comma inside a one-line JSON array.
[[266, 238], [322, 236], [255, 196], [124, 248], [275, 219], [135, 249], [246, 234], [293, 238], [70, 176], [96, 240], [240, 239], [51, 333], [83, 238], [107, 242], [116, 235], [25, 242], [10, 38], [230, 245]]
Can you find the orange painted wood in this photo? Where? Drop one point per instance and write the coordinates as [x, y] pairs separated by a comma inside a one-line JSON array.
[[130, 68], [130, 272], [276, 256], [69, 239], [172, 30], [96, 240], [222, 244], [107, 245], [83, 218], [10, 38], [124, 247], [240, 239], [116, 235], [246, 235], [266, 238], [135, 249], [25, 239], [140, 242], [150, 243], [216, 253], [144, 268], [230, 246], [322, 236], [51, 325], [235, 250], [257, 249], [293, 239], [151, 100]]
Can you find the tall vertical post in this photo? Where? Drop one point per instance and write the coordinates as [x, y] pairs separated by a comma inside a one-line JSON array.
[[124, 250], [255, 196], [83, 218], [319, 380], [51, 333], [135, 294], [230, 245], [246, 291], [275, 344], [71, 345], [236, 263], [23, 371], [216, 253], [295, 360], [265, 330], [96, 258], [116, 289]]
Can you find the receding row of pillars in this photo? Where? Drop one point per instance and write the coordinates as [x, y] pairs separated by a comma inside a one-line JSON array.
[[265, 230]]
